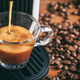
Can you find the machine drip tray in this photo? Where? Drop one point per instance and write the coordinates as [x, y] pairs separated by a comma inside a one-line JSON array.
[[36, 69]]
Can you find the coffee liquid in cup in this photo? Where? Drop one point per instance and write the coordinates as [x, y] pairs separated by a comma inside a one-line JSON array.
[[15, 53]]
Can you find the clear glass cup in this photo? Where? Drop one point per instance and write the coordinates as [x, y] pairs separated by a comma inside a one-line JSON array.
[[16, 60]]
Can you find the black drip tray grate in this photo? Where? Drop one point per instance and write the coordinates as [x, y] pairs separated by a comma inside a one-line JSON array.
[[36, 69]]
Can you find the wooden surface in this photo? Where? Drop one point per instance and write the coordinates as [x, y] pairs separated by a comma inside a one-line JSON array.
[[73, 18]]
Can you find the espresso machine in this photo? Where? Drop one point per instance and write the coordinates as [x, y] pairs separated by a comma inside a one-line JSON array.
[[38, 66]]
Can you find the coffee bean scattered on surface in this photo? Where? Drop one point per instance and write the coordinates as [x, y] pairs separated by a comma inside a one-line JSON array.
[[64, 49]]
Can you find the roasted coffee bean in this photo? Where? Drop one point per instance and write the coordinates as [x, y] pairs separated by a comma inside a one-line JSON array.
[[67, 17], [66, 45], [73, 76], [59, 26], [60, 75], [51, 62], [56, 55], [51, 15], [59, 66], [46, 19], [50, 22], [69, 6], [48, 77], [73, 64], [71, 57], [46, 14], [78, 49], [65, 32], [51, 4], [78, 43], [73, 68], [74, 42], [67, 62], [63, 10], [62, 56], [66, 13], [64, 27], [75, 12], [68, 73], [52, 10], [78, 6], [57, 78], [73, 60], [70, 26], [41, 14], [54, 78], [62, 14], [71, 48], [58, 58], [57, 62], [65, 67], [66, 55], [50, 44], [72, 35], [78, 57], [52, 56], [63, 72], [58, 41], [68, 52], [74, 54], [52, 48], [45, 23]]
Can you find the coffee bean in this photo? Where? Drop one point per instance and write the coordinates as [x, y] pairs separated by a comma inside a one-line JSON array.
[[63, 72], [71, 57], [60, 75], [66, 45], [72, 35], [71, 48], [46, 14], [70, 26], [68, 73], [78, 6], [41, 14], [78, 49], [51, 15], [48, 77], [73, 68], [59, 66], [66, 55], [52, 56], [56, 55], [67, 13], [52, 4], [67, 17], [51, 62], [62, 56], [68, 52], [46, 19], [63, 10], [57, 78], [59, 26], [58, 58], [62, 14], [50, 44], [73, 60], [74, 54], [73, 64], [45, 23], [73, 76], [54, 78], [65, 32], [58, 41], [67, 62], [78, 57], [57, 62], [78, 42], [50, 22], [75, 12], [69, 6], [65, 67]]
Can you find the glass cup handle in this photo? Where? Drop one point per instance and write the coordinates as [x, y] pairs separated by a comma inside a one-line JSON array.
[[48, 38]]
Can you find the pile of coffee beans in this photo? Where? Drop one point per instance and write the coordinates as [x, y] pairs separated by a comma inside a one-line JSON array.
[[64, 50]]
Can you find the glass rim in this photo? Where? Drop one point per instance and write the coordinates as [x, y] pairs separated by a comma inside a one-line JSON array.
[[30, 16]]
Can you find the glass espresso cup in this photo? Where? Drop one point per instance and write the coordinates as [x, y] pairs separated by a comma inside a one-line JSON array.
[[15, 55]]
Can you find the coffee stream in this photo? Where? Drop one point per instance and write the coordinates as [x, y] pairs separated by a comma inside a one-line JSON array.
[[10, 13]]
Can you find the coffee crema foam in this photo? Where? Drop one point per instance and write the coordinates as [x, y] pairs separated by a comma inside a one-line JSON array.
[[15, 53]]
